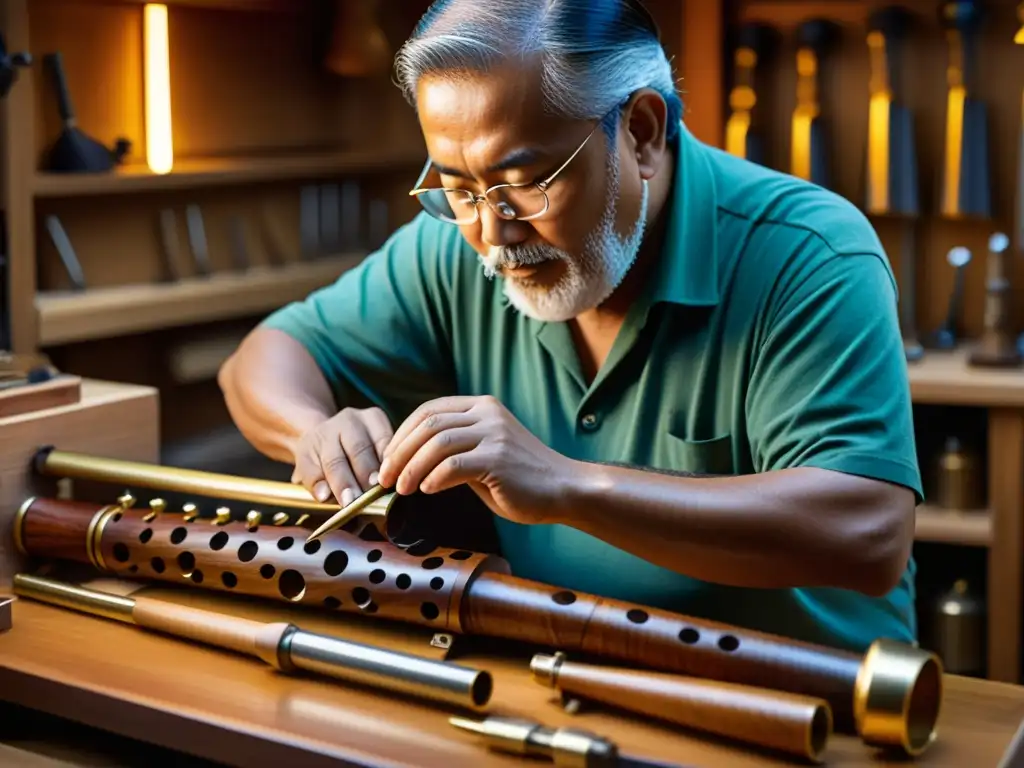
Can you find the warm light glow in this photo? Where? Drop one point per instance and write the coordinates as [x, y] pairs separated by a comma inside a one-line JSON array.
[[159, 141]]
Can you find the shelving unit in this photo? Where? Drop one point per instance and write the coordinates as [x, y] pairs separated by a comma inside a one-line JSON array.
[[126, 309], [199, 174]]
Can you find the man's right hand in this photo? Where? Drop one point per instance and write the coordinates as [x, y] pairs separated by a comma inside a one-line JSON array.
[[341, 456]]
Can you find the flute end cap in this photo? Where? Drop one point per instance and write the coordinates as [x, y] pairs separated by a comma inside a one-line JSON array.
[[898, 697], [544, 668]]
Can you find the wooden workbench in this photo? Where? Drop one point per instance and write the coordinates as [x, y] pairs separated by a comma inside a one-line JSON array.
[[238, 711]]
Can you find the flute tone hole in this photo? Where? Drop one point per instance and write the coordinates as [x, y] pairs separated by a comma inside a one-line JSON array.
[[637, 616], [436, 583], [218, 541], [292, 585], [248, 551], [312, 547], [429, 611], [402, 581], [565, 597], [157, 564], [728, 642], [377, 576], [332, 603], [229, 579], [689, 636], [361, 597], [433, 562], [374, 555], [121, 553], [267, 571], [196, 576], [460, 554], [186, 561], [285, 543], [421, 548], [117, 516], [336, 562], [178, 535], [146, 535]]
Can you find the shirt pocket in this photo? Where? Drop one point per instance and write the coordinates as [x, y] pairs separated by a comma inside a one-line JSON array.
[[702, 457]]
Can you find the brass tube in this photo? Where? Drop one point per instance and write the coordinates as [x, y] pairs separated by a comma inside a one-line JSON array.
[[175, 479], [76, 598]]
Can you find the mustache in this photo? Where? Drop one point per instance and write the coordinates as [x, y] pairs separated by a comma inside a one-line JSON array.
[[512, 256]]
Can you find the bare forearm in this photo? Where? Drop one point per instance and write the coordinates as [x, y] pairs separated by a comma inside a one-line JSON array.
[[275, 392], [796, 527]]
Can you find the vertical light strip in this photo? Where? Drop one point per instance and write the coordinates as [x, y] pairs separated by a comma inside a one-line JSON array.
[[156, 49]]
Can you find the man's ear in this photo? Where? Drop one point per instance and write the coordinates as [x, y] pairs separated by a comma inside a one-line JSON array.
[[646, 118]]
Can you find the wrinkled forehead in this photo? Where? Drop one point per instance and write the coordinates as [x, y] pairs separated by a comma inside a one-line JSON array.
[[470, 120]]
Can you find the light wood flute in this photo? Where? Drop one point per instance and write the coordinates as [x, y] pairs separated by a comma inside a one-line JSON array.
[[890, 696]]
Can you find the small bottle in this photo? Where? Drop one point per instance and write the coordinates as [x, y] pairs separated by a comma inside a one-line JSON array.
[[958, 482]]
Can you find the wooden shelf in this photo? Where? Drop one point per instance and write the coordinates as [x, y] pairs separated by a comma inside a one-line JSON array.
[[189, 174], [107, 312], [971, 528], [945, 378], [258, 6]]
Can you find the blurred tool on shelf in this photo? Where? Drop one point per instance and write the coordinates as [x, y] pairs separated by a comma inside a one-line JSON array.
[[809, 140], [756, 42]]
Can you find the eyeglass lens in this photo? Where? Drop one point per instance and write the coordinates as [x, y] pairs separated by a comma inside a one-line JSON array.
[[507, 202]]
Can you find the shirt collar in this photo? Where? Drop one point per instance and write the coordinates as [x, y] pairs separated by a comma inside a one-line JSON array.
[[688, 271]]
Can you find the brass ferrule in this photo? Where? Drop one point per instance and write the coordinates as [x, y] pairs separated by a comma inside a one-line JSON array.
[[18, 527], [898, 697], [544, 668]]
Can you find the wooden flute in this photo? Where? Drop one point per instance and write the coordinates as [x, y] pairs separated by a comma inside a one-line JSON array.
[[890, 696]]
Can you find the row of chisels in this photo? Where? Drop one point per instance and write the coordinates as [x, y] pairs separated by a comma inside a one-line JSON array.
[[331, 222], [891, 163]]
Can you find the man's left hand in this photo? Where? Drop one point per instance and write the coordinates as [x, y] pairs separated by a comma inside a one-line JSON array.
[[477, 441]]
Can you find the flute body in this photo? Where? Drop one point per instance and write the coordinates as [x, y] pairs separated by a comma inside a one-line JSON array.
[[890, 696]]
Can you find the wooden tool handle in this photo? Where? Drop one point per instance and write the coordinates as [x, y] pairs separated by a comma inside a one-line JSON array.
[[253, 638]]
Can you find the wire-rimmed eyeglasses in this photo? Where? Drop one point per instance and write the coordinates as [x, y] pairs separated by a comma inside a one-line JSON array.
[[522, 202]]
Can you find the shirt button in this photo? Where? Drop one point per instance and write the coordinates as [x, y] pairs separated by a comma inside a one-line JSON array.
[[589, 422]]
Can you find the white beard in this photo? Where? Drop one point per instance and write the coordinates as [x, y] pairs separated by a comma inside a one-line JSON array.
[[588, 280]]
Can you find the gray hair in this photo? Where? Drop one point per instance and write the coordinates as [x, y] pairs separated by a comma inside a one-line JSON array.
[[594, 54]]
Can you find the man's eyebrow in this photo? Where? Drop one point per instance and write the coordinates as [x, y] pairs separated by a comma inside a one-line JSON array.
[[517, 158]]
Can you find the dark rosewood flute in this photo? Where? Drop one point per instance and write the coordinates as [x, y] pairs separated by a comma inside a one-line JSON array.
[[890, 696]]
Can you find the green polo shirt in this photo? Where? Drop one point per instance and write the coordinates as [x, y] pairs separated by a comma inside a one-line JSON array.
[[767, 338]]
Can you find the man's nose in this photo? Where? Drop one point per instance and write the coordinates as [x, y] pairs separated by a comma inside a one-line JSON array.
[[496, 231]]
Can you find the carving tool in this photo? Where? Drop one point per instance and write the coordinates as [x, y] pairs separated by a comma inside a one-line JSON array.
[[169, 241], [197, 239], [946, 335], [239, 244], [966, 183], [997, 348], [330, 236], [350, 511], [378, 223], [889, 696], [562, 746], [808, 141], [309, 222], [892, 171], [283, 646], [351, 216], [62, 243], [755, 43]]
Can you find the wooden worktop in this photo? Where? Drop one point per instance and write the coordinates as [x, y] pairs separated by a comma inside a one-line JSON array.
[[946, 378], [238, 711]]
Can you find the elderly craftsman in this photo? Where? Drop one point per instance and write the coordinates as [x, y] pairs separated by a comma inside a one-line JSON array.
[[674, 376]]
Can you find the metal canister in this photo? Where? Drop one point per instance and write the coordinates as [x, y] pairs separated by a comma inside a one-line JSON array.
[[959, 630], [959, 483]]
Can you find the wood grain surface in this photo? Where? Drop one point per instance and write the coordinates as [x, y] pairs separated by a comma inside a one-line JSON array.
[[229, 708]]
